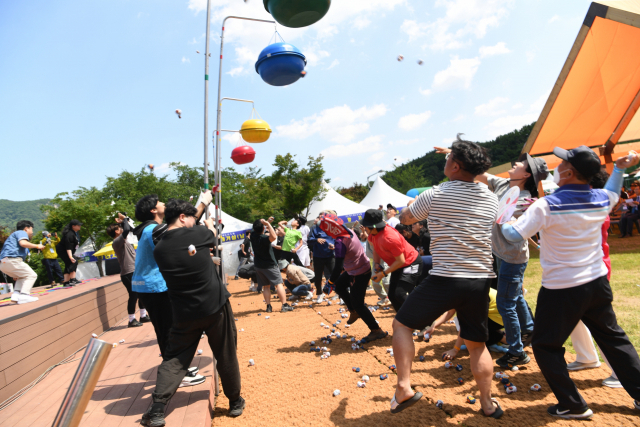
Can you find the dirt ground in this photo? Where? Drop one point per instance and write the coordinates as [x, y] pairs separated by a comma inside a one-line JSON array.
[[292, 386]]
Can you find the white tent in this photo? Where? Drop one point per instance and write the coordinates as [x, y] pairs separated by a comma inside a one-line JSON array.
[[347, 210], [381, 194], [232, 237]]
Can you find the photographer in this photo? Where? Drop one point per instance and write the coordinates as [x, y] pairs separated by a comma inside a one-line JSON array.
[[66, 248]]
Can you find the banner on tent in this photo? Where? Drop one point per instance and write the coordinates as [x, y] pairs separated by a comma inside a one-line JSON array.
[[352, 218], [233, 236]]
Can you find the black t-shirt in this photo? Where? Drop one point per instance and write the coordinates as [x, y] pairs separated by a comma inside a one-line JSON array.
[[69, 241], [414, 240], [425, 242], [247, 248], [194, 286], [262, 251]]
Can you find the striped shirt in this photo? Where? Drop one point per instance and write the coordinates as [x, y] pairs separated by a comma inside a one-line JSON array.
[[460, 215]]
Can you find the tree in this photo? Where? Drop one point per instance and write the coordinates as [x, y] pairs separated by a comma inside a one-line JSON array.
[[355, 193], [407, 178]]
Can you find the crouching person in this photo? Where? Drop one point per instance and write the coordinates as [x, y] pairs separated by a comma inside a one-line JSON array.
[[200, 302]]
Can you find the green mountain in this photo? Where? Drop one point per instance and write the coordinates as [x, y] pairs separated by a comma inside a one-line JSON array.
[[429, 169], [12, 212]]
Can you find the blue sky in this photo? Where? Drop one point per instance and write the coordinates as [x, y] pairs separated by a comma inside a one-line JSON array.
[[88, 88]]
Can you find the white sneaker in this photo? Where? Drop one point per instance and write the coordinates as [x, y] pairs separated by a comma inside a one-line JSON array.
[[191, 379], [253, 288], [384, 302], [612, 382], [577, 366], [320, 299], [24, 299], [15, 297], [309, 296]]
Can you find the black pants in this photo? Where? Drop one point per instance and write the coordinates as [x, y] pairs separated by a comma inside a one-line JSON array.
[[322, 265], [291, 257], [352, 290], [495, 332], [133, 296], [626, 223], [53, 267], [401, 284], [557, 314], [183, 343], [159, 307]]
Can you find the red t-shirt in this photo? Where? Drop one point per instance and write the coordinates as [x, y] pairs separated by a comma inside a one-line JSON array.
[[605, 246], [389, 244]]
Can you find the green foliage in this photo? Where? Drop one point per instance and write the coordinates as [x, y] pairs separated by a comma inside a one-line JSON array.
[[503, 149], [12, 212], [355, 193], [407, 178]]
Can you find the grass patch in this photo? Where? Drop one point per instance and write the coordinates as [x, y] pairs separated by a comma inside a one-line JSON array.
[[625, 283]]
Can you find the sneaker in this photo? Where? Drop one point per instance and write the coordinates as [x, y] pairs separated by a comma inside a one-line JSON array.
[[192, 371], [577, 366], [67, 284], [75, 281], [269, 309], [570, 414], [236, 278], [292, 297], [309, 296], [509, 360], [191, 380], [384, 302], [636, 404], [320, 299], [236, 407], [526, 338], [612, 382], [15, 297], [286, 307], [154, 417], [25, 299], [145, 319], [134, 324], [335, 297], [253, 288]]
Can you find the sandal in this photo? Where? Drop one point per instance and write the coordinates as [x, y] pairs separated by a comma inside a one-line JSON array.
[[497, 413], [398, 407], [376, 336]]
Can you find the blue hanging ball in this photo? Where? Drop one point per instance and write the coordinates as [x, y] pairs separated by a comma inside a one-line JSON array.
[[280, 64]]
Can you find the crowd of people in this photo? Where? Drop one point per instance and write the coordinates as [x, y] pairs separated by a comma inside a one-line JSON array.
[[443, 257]]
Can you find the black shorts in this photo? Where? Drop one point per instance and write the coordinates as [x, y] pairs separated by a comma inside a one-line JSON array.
[[437, 294], [69, 267]]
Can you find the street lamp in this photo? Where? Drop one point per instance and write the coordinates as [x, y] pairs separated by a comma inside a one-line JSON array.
[[375, 173]]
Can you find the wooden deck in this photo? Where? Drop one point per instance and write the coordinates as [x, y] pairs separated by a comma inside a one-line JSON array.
[[123, 393]]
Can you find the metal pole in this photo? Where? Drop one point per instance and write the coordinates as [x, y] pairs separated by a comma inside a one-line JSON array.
[[83, 383], [218, 174], [206, 105]]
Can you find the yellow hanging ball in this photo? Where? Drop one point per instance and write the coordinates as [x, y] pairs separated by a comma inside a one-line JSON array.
[[255, 131]]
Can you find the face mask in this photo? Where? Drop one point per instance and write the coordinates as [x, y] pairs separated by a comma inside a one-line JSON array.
[[556, 175]]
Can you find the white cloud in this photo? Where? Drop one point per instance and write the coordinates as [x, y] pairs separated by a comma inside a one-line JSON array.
[[185, 60], [462, 20], [376, 157], [193, 41], [498, 49], [361, 22], [425, 92], [492, 108], [516, 106], [333, 64], [554, 18], [530, 56], [235, 71], [367, 145], [538, 104], [458, 75], [338, 124], [404, 142], [413, 121], [458, 118], [315, 55], [509, 124]]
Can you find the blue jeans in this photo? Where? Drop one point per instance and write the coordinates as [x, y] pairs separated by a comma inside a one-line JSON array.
[[511, 304], [301, 290]]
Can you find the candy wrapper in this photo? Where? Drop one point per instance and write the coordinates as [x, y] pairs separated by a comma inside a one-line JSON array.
[[512, 389], [448, 365], [439, 404], [251, 362], [471, 399], [458, 367], [365, 378], [361, 384], [536, 387], [460, 380], [336, 392]]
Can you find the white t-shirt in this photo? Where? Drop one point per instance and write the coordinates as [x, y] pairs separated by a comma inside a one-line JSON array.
[[393, 221], [460, 215], [304, 230], [570, 222]]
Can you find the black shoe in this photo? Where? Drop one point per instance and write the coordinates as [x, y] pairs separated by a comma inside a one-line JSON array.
[[236, 407], [236, 278], [65, 284], [509, 360], [134, 323], [269, 309], [145, 319], [526, 338], [75, 281], [570, 414], [154, 417], [286, 307]]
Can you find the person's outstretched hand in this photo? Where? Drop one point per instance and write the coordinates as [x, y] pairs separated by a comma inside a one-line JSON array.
[[528, 202], [442, 150], [450, 354], [629, 160]]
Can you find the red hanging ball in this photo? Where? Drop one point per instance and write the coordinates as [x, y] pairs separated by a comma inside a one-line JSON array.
[[243, 154]]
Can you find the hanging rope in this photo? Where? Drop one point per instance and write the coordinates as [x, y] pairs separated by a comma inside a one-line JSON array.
[[275, 36]]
